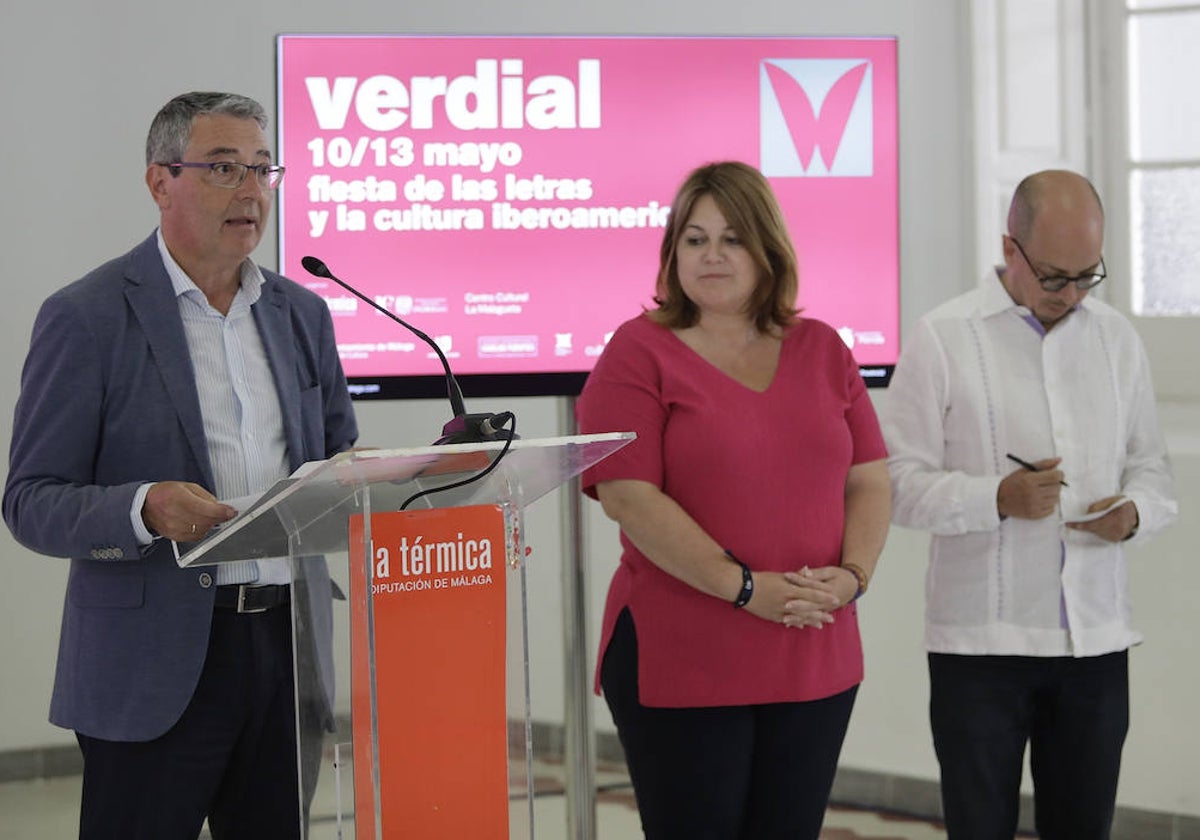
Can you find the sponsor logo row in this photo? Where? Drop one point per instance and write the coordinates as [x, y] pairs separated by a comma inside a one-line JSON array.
[[486, 346]]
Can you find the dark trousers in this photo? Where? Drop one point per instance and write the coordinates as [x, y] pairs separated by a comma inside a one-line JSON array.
[[230, 757], [724, 773], [1073, 713]]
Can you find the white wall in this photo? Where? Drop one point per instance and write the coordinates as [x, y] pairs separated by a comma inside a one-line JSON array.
[[80, 87]]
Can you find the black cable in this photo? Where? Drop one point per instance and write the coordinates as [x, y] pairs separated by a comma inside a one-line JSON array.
[[497, 421]]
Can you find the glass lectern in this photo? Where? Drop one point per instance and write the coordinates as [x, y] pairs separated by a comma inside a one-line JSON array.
[[437, 739]]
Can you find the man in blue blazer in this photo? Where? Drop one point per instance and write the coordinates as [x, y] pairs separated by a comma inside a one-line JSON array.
[[175, 375]]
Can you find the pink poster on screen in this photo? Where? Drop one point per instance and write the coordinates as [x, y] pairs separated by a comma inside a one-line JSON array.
[[508, 195]]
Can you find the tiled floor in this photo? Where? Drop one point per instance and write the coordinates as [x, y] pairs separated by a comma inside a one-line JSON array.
[[48, 809]]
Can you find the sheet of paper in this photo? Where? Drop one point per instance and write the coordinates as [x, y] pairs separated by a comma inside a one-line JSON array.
[[242, 503], [1088, 517]]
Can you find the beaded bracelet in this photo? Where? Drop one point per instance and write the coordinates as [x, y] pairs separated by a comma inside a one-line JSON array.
[[747, 590], [860, 576]]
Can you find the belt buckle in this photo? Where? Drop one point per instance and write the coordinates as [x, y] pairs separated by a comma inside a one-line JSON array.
[[241, 601]]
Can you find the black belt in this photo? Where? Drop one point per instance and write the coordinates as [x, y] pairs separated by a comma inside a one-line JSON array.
[[252, 598]]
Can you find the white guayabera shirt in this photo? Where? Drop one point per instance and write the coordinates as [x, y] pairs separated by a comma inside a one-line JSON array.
[[980, 379]]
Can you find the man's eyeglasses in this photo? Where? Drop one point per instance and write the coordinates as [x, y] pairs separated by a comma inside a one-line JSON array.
[[230, 175], [1056, 283]]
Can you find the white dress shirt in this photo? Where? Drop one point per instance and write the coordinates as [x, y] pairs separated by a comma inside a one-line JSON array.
[[978, 380], [243, 423]]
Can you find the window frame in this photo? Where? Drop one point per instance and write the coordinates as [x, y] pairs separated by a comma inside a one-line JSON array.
[[1172, 341]]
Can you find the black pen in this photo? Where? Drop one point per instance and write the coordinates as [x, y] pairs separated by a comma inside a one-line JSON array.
[[1029, 466]]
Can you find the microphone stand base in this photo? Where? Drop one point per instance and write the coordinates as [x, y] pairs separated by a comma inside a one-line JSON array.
[[474, 428]]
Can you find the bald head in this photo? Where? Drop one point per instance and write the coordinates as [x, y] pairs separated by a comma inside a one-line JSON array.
[[1055, 192], [1055, 231]]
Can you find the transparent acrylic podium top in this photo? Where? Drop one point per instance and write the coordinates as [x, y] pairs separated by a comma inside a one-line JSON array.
[[299, 507]]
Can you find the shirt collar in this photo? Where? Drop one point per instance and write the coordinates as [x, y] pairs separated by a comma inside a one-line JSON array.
[[251, 277], [997, 300]]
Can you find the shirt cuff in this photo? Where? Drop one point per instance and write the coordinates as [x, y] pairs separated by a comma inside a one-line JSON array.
[[981, 510], [144, 537]]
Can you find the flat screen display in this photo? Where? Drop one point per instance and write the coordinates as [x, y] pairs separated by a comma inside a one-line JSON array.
[[507, 195]]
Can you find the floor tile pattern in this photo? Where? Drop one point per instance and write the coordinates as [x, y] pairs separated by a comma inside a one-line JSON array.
[[48, 809]]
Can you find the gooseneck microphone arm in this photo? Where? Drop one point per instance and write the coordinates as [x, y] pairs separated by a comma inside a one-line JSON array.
[[317, 268], [463, 427]]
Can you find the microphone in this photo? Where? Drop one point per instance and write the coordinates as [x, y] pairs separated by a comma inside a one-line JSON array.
[[463, 427]]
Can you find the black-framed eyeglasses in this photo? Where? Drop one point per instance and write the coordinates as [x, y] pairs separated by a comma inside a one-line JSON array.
[[1057, 282], [230, 175]]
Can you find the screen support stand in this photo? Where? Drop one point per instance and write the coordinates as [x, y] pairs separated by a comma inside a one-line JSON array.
[[579, 735]]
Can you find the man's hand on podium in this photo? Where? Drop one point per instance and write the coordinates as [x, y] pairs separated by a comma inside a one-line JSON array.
[[182, 511]]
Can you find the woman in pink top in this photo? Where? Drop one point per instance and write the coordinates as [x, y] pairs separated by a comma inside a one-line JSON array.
[[753, 507]]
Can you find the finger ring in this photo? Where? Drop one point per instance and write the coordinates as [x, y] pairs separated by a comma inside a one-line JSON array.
[[193, 527]]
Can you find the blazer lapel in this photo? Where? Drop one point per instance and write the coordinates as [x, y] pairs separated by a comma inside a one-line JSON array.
[[152, 299], [273, 316]]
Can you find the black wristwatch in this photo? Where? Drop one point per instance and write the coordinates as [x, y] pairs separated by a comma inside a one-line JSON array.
[[1137, 522]]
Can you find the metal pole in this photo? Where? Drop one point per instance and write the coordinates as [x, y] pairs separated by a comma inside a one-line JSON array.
[[578, 735]]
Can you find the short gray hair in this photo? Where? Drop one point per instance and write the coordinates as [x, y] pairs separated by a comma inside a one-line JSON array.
[[172, 126]]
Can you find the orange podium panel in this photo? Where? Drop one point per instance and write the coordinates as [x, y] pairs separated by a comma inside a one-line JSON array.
[[438, 608]]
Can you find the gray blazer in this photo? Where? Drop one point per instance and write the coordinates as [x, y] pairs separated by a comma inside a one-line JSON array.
[[108, 402]]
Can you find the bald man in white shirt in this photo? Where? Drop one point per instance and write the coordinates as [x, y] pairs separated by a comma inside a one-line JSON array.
[[1023, 434]]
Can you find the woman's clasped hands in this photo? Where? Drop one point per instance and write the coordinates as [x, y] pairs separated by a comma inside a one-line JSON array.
[[804, 598]]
